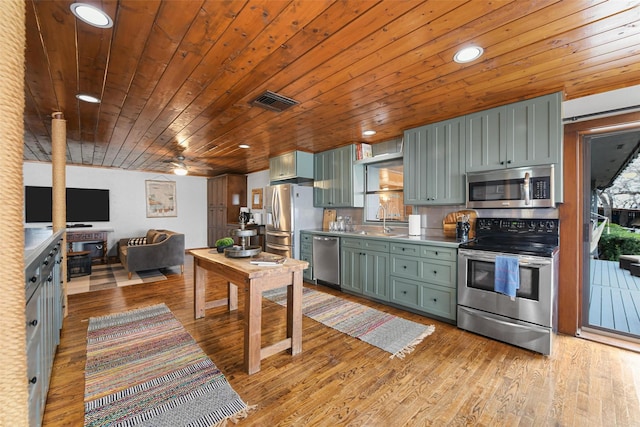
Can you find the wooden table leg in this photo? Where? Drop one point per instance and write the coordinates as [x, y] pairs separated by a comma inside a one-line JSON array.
[[253, 326], [199, 289], [294, 313]]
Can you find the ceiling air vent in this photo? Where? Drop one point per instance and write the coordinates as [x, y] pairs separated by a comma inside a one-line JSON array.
[[274, 102]]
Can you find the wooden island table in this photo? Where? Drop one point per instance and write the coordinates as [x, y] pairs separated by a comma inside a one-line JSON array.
[[256, 279]]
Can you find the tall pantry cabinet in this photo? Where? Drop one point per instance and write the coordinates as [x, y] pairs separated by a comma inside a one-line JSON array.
[[225, 195]]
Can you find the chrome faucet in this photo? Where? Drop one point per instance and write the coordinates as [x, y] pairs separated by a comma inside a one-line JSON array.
[[384, 219]]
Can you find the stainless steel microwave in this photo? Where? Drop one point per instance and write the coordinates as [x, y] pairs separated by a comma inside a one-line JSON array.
[[526, 187]]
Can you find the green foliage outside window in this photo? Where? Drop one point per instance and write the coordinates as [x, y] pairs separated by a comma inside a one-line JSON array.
[[618, 242]]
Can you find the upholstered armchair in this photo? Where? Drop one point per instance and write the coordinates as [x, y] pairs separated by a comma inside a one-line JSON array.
[[158, 249]]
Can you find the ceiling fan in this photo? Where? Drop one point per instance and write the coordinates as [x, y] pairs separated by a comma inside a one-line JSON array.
[[180, 167]]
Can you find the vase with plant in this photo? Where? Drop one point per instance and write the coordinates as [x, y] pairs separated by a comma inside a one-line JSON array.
[[222, 244]]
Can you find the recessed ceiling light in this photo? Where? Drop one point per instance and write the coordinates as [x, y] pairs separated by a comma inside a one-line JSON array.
[[468, 54], [243, 146], [91, 15], [368, 132], [88, 98]]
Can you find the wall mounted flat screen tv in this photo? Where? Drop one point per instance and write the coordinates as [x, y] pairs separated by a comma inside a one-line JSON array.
[[83, 204]]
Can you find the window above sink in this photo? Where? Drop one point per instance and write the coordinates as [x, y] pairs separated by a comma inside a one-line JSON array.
[[384, 193]]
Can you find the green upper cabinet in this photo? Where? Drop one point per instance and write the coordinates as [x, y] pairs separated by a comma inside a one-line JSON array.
[[486, 145], [337, 181], [525, 133], [534, 131], [295, 164], [434, 162]]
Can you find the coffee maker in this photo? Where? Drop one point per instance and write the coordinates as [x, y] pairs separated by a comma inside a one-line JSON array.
[[246, 217]]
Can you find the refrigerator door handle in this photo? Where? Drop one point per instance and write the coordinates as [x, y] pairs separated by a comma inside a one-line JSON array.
[[275, 202]]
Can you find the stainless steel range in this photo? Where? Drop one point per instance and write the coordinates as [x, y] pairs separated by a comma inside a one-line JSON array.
[[527, 319]]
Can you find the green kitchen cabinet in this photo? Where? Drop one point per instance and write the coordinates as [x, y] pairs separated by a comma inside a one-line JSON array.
[[424, 278], [365, 267], [338, 183], [434, 163], [306, 254], [525, 133], [295, 164]]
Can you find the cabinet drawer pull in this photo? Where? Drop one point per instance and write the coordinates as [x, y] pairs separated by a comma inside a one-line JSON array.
[[435, 272], [34, 322], [33, 279], [404, 266], [33, 380], [404, 292]]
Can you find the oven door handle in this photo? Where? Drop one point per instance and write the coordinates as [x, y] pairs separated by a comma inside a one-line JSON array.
[[534, 264], [492, 258]]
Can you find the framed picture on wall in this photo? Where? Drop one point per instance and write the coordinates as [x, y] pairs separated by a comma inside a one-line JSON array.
[[161, 199], [256, 198]]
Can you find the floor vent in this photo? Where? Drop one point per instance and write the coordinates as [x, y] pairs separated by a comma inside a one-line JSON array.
[[274, 102]]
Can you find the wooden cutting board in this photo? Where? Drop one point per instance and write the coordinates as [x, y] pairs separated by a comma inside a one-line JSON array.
[[329, 215]]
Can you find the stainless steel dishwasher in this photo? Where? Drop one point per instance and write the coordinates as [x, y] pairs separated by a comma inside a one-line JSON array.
[[326, 260]]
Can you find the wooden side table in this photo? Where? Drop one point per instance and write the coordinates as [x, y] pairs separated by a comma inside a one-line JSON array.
[[87, 236]]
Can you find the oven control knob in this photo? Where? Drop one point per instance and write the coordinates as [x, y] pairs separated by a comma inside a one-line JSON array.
[[550, 225]]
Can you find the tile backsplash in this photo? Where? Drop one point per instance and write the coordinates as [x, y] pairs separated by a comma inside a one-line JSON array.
[[431, 216]]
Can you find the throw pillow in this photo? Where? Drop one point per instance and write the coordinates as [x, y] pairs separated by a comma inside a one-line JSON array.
[[159, 237], [151, 234], [136, 241]]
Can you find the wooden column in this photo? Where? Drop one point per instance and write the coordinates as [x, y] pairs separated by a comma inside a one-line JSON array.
[[59, 195], [14, 393]]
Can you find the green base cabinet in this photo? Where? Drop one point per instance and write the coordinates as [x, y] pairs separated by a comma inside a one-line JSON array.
[[430, 299], [365, 267], [424, 278], [306, 254], [44, 316]]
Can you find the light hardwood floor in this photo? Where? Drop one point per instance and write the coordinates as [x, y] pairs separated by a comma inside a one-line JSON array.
[[453, 378]]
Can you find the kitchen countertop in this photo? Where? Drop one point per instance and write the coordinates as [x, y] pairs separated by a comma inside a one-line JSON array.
[[400, 236]]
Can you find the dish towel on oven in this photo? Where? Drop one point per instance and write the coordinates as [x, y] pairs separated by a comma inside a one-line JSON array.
[[507, 275]]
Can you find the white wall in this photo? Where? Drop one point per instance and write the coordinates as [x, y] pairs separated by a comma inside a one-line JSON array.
[[257, 180], [128, 216]]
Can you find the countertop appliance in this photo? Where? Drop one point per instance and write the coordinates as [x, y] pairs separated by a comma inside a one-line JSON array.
[[529, 319], [526, 187], [289, 209], [326, 260]]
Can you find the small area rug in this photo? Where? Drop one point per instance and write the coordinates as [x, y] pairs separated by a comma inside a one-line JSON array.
[[144, 369], [390, 333], [108, 276]]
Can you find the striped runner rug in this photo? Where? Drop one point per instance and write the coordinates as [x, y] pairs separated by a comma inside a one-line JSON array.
[[390, 333], [144, 369]]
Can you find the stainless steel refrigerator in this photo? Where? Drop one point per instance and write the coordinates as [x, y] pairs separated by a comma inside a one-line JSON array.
[[289, 209]]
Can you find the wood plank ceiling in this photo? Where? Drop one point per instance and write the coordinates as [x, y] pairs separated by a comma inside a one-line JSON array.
[[177, 77]]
